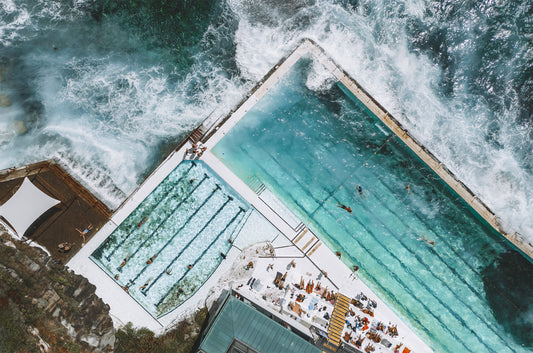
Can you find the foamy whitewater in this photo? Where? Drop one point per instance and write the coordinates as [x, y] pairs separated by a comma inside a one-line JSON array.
[[108, 98]]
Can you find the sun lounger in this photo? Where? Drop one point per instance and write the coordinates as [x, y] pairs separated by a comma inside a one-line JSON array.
[[312, 303]]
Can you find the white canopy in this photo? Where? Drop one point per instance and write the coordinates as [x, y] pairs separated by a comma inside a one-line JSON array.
[[28, 204]]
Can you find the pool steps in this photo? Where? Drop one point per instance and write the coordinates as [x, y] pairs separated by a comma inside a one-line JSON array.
[[338, 318]]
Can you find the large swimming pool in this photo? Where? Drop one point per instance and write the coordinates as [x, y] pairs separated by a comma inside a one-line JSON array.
[[172, 242], [314, 147]]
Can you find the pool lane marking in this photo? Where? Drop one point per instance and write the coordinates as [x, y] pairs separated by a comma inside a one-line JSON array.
[[108, 257], [166, 218], [188, 244], [178, 231], [198, 259]]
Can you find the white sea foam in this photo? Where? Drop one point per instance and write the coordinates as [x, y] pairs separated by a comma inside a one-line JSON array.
[[406, 83], [109, 106]]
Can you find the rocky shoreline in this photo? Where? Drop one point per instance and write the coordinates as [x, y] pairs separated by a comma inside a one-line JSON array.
[[45, 307]]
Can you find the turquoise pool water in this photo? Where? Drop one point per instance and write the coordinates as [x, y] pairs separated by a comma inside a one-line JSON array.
[[313, 148], [186, 221]]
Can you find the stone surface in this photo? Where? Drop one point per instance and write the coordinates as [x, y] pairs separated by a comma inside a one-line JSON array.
[[4, 101], [20, 127], [59, 309]]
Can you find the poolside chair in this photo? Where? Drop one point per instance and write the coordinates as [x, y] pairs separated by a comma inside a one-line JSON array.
[[312, 304], [257, 285]]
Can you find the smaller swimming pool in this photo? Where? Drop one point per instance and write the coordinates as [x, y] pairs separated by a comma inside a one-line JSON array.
[[175, 239]]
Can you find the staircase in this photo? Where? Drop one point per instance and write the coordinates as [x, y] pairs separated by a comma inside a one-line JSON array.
[[256, 185], [197, 134], [336, 323]]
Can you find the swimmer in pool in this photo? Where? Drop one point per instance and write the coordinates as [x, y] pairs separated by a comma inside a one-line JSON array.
[[360, 190], [344, 207], [426, 240]]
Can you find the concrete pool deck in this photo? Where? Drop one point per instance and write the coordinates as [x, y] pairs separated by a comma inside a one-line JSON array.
[[316, 257], [290, 242], [218, 129], [290, 238]]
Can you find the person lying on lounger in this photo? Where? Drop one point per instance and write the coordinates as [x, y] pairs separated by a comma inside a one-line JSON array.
[[84, 232], [64, 247]]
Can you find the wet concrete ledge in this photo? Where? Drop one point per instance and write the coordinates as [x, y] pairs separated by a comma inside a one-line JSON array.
[[210, 132]]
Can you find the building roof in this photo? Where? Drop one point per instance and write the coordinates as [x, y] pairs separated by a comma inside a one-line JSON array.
[[238, 320], [25, 206]]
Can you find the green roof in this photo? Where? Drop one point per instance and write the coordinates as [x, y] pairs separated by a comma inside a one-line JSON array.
[[239, 320]]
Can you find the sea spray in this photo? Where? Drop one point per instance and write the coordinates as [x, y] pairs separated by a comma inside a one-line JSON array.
[[455, 74]]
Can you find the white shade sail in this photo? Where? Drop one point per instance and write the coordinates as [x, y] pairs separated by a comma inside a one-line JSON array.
[[23, 208]]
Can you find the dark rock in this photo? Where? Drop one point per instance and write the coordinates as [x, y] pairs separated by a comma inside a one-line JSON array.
[[51, 300]]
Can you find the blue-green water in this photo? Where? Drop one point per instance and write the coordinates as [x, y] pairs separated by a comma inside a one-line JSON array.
[[107, 88], [314, 148], [186, 221]]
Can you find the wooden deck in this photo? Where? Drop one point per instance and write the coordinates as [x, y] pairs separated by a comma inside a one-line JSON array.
[[78, 208]]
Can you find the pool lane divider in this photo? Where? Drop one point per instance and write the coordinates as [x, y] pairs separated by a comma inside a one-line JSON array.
[[108, 257], [316, 223], [177, 283], [164, 220], [176, 232], [187, 245]]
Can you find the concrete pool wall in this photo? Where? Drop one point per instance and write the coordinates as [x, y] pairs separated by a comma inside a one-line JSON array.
[[214, 131]]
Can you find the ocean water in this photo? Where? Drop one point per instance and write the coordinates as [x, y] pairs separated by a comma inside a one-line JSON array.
[[108, 87]]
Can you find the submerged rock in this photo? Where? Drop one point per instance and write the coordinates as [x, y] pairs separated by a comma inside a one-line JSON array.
[[4, 101], [20, 127]]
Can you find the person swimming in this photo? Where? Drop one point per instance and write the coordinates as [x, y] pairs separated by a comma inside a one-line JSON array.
[[123, 263], [360, 190], [143, 287], [142, 222], [150, 260], [426, 240], [344, 207]]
